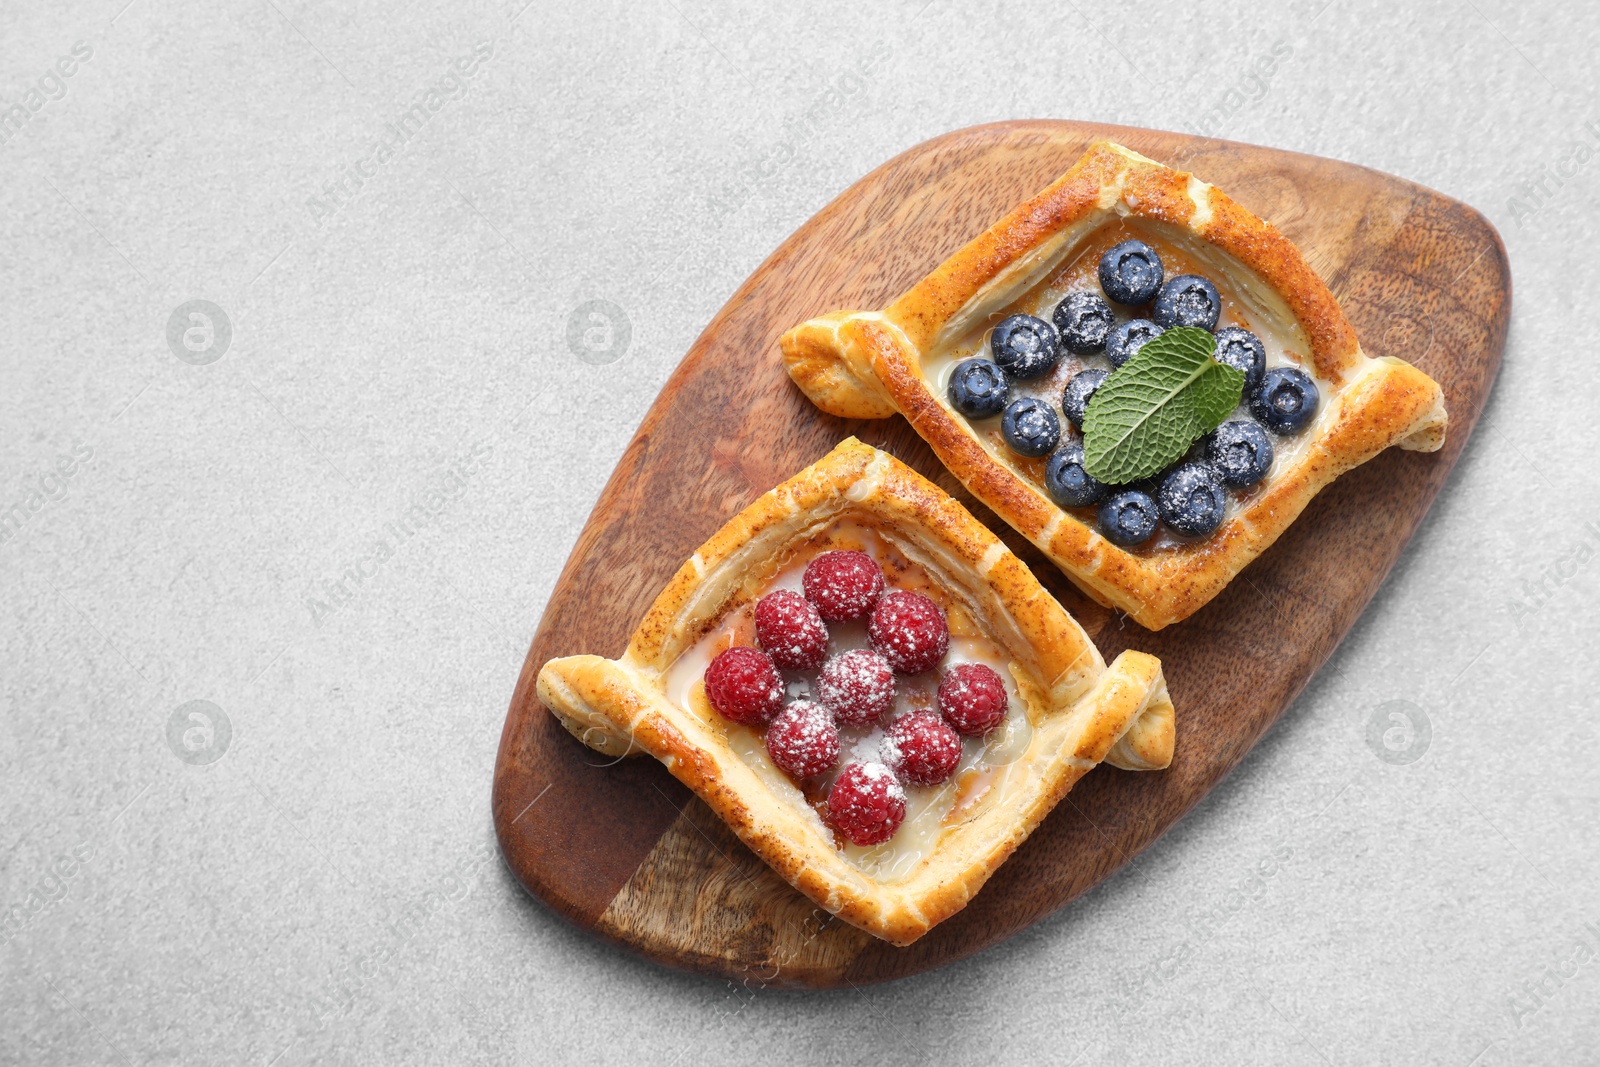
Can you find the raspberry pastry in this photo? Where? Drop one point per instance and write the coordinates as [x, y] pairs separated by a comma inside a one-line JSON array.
[[874, 693], [1145, 379]]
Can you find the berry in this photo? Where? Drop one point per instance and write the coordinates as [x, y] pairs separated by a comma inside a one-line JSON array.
[[1068, 484], [926, 751], [1242, 350], [1030, 427], [1192, 499], [789, 629], [1131, 273], [972, 698], [744, 686], [1285, 401], [1240, 451], [1075, 397], [867, 803], [910, 631], [843, 585], [856, 686], [1083, 320], [1026, 347], [1127, 339], [979, 388], [1129, 518], [803, 740], [1187, 300]]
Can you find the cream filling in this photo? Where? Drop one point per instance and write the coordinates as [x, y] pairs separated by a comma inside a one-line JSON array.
[[1254, 305], [980, 778]]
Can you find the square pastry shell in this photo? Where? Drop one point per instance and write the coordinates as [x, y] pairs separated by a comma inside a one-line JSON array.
[[1082, 712], [870, 364]]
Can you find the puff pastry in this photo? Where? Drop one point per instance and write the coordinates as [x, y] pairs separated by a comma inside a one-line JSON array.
[[1077, 712], [873, 364]]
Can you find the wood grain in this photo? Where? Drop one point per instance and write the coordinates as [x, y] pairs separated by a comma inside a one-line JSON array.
[[622, 849]]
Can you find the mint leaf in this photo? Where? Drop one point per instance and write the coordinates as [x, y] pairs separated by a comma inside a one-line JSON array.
[[1152, 408]]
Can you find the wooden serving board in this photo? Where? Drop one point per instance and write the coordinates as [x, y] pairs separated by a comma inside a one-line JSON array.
[[622, 849]]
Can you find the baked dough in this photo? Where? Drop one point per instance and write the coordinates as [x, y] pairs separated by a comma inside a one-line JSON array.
[[1081, 711], [870, 365]]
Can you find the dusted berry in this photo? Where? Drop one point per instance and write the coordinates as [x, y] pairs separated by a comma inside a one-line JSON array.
[[1187, 300], [1192, 499], [979, 389], [1241, 452], [1129, 518], [1026, 347], [843, 585], [1083, 320], [856, 686], [926, 751], [1126, 340], [1131, 273], [972, 698], [1030, 427], [1068, 484], [803, 740], [867, 803], [743, 685], [1286, 400], [910, 630], [1076, 396], [789, 629], [1243, 351]]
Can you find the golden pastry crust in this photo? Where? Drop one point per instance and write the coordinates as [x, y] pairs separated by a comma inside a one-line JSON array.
[[870, 364], [1082, 712]]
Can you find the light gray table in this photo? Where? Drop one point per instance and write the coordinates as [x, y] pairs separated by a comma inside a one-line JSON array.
[[334, 515]]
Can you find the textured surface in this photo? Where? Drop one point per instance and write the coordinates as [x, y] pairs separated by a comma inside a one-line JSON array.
[[328, 889], [1389, 248]]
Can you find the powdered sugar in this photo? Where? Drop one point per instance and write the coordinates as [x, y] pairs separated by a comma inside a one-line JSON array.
[[857, 686], [867, 803], [790, 630], [973, 698], [910, 630], [926, 808], [843, 584], [803, 739]]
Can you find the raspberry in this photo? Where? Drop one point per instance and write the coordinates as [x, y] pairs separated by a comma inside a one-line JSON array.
[[744, 686], [925, 750], [791, 631], [972, 698], [910, 630], [866, 803], [843, 585], [857, 686], [803, 740]]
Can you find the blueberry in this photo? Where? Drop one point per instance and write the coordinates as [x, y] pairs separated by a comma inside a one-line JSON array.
[[1075, 397], [1128, 338], [1030, 427], [1240, 452], [1285, 401], [1192, 499], [1129, 518], [1187, 300], [1242, 350], [1068, 484], [979, 388], [1084, 319], [1131, 272], [1026, 347]]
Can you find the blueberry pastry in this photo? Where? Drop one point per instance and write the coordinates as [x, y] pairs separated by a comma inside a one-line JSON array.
[[1146, 380]]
